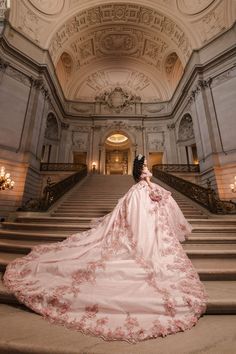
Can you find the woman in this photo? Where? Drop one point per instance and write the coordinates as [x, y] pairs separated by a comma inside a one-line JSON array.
[[127, 278]]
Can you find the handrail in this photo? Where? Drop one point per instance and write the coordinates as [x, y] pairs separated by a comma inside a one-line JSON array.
[[53, 191], [61, 166], [203, 196], [178, 167]]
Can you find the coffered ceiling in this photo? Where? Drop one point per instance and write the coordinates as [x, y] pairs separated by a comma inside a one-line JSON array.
[[141, 46]]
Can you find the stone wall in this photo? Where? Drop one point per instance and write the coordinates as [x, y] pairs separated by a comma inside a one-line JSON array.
[[29, 94]]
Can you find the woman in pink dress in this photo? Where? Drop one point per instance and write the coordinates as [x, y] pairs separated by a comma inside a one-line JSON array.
[[127, 278]]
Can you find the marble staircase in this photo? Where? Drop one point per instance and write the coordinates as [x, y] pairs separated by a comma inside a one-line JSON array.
[[211, 246]]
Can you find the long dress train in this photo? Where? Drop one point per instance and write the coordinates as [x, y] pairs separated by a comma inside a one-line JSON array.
[[127, 278]]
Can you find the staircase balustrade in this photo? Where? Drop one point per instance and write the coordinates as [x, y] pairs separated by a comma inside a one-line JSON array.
[[178, 167], [203, 196], [61, 166], [53, 191]]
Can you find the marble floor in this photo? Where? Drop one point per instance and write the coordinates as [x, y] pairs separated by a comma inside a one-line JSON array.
[[27, 333]]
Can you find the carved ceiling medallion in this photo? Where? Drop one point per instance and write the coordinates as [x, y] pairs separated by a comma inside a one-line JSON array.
[[117, 99], [48, 7], [189, 7]]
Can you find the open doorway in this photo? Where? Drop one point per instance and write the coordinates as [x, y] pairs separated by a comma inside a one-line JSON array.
[[117, 147]]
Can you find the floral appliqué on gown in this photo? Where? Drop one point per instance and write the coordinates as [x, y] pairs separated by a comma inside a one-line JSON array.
[[127, 278]]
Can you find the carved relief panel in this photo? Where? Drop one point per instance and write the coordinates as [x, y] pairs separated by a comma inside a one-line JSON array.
[[186, 131], [155, 141], [80, 140]]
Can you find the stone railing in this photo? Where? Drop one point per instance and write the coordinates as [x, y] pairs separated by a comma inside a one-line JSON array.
[[53, 191], [203, 196], [61, 166], [178, 167]]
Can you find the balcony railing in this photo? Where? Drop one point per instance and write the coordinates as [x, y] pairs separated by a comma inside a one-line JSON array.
[[203, 196]]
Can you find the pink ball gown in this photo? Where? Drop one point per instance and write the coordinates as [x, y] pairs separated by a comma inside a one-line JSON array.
[[127, 278]]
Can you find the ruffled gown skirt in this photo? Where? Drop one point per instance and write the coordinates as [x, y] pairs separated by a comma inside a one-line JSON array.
[[127, 278]]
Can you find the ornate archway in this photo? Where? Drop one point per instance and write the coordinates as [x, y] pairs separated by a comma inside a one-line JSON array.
[[117, 152]]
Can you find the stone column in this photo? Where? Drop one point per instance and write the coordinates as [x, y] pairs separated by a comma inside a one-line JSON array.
[[65, 145], [171, 151], [91, 145], [34, 120]]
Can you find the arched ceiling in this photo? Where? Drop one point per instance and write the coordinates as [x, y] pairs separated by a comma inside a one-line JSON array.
[[141, 46]]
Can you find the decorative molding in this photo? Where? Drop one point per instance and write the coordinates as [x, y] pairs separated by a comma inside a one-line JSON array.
[[186, 131], [67, 62], [3, 9], [120, 38], [83, 129], [40, 85], [170, 62], [153, 108], [128, 79], [117, 100], [202, 84], [80, 140], [83, 109], [48, 7], [65, 125], [17, 75], [155, 141], [29, 24], [3, 64], [171, 126], [227, 75], [188, 7], [212, 23]]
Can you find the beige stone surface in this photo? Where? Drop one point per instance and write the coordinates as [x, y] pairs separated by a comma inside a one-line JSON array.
[[31, 334]]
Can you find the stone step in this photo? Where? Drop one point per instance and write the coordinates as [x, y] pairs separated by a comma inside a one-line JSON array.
[[70, 214], [87, 199], [50, 219], [213, 268], [102, 207], [214, 222], [212, 238], [193, 250], [49, 226], [40, 236], [82, 211], [86, 206], [208, 247], [58, 235], [221, 296], [211, 228], [99, 214], [77, 223]]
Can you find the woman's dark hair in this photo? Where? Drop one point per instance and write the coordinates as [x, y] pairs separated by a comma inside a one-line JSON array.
[[138, 167]]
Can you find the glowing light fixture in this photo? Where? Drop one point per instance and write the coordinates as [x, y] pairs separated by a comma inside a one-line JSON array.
[[5, 180], [233, 186], [117, 138]]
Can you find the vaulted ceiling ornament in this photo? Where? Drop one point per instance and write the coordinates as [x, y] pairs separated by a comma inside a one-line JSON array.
[[193, 7], [121, 14], [117, 99], [48, 7]]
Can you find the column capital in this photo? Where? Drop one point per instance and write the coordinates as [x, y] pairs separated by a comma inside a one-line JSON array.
[[3, 64], [171, 126]]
